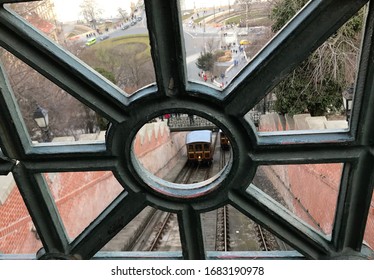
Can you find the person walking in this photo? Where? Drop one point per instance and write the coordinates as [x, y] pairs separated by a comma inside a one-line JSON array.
[[192, 121], [167, 117]]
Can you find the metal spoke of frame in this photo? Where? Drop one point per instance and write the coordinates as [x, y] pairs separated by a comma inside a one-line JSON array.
[[304, 137], [308, 30], [62, 150], [353, 204], [6, 165], [89, 162], [191, 234], [60, 67], [299, 154], [165, 35], [13, 135], [357, 187], [110, 222], [42, 209], [264, 211], [16, 1], [362, 122]]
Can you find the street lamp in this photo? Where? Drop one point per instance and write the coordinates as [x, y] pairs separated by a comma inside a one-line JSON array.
[[246, 16], [348, 101], [41, 119]]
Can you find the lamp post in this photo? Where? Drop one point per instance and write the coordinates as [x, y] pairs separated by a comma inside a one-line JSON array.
[[246, 16], [41, 119], [348, 101]]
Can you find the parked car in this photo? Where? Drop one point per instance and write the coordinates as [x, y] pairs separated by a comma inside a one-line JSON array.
[[104, 37], [125, 26], [91, 41], [243, 33], [244, 42]]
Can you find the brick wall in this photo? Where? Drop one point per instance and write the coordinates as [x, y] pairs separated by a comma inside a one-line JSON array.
[[310, 190], [15, 226], [369, 231], [316, 193], [81, 196]]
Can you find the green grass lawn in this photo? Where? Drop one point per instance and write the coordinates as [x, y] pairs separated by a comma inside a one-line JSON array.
[[113, 42], [136, 42]]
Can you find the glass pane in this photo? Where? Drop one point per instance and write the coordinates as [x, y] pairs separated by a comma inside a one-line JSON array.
[[181, 149], [98, 32], [81, 196], [226, 229], [151, 230], [309, 191], [17, 232], [222, 37], [50, 114], [318, 94], [130, 74], [369, 232]]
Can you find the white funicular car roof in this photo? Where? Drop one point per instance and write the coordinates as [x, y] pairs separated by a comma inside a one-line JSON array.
[[199, 136]]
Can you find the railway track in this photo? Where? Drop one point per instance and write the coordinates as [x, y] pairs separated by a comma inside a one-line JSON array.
[[222, 232], [220, 226], [262, 238], [152, 237], [163, 227]]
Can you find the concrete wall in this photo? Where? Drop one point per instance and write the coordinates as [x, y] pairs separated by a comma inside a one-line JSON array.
[[6, 186], [157, 149], [310, 190]]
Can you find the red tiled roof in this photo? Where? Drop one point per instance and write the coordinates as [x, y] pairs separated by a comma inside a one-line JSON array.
[[41, 24]]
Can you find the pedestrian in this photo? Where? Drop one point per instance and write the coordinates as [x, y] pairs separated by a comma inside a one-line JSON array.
[[192, 121], [167, 117]]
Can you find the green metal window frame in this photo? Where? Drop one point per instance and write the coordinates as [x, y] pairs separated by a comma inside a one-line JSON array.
[[172, 92]]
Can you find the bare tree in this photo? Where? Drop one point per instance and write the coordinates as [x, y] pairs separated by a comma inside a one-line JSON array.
[[135, 71], [131, 66], [67, 116], [317, 83], [245, 5], [211, 44], [123, 13], [91, 12]]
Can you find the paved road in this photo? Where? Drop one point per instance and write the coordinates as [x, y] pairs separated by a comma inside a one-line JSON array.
[[196, 40]]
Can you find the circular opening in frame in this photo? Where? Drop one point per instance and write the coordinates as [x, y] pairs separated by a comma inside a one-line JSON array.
[[181, 155]]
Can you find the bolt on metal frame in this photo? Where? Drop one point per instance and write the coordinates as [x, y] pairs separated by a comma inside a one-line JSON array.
[[172, 92]]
